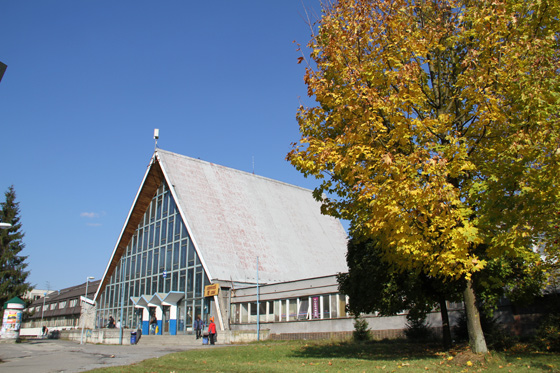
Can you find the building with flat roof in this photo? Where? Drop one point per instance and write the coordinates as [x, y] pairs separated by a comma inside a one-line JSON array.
[[192, 240]]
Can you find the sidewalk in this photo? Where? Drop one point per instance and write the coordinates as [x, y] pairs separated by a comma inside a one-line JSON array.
[[51, 355]]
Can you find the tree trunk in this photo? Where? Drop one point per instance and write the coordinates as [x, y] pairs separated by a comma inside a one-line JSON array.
[[476, 336], [445, 324]]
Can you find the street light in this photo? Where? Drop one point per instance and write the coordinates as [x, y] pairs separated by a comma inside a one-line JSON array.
[[5, 225], [43, 308], [83, 320]]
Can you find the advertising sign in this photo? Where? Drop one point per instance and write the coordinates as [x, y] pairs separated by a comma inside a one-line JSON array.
[[11, 324]]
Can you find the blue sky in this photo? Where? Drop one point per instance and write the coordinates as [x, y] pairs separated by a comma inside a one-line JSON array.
[[88, 81]]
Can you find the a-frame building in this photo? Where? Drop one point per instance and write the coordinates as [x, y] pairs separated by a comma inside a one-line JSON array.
[[195, 224]]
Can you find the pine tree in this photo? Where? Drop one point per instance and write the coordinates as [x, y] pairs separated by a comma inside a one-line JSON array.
[[13, 274]]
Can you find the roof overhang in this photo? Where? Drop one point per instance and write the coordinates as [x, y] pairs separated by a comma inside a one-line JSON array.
[[151, 182]]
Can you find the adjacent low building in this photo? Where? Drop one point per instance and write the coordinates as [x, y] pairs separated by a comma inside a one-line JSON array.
[[59, 310]]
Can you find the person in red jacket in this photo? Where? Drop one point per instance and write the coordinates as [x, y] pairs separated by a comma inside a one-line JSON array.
[[212, 331]]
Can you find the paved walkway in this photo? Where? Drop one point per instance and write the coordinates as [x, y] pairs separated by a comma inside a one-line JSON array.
[[51, 355]]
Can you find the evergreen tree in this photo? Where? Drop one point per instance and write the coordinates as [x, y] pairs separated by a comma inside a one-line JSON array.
[[13, 274]]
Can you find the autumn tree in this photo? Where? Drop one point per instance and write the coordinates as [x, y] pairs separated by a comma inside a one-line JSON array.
[[436, 129], [13, 273]]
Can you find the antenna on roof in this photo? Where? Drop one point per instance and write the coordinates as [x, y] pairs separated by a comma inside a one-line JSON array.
[[156, 136]]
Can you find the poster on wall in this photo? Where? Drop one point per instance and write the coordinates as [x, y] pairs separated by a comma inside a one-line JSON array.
[[316, 308]]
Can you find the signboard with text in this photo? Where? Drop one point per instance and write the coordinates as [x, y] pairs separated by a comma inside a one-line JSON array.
[[211, 290]]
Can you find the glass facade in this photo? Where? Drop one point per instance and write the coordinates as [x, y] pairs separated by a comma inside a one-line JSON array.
[[160, 258]]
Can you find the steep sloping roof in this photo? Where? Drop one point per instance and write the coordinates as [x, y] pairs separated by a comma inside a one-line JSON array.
[[234, 216]]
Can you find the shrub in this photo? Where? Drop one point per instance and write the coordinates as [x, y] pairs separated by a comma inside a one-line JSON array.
[[547, 336], [417, 329], [361, 331]]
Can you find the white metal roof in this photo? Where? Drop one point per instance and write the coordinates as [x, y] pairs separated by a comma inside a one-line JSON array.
[[235, 216]]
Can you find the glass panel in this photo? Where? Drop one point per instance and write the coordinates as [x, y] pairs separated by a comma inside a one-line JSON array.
[[190, 282], [170, 229], [326, 307], [155, 266], [191, 254], [175, 283], [168, 257], [184, 248], [277, 310], [156, 234], [334, 313], [292, 309], [163, 233], [144, 261], [176, 255], [177, 228], [182, 281], [154, 285], [159, 203], [166, 197], [262, 311], [151, 239], [303, 313], [149, 263], [244, 313], [198, 283]]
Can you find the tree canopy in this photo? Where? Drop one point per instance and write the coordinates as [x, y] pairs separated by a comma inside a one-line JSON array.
[[437, 128], [13, 274]]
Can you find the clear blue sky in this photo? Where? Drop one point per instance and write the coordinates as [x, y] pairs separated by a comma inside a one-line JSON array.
[[88, 81]]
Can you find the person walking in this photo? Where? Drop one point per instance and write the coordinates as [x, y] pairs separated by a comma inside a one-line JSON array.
[[212, 331], [111, 322], [198, 327], [153, 324]]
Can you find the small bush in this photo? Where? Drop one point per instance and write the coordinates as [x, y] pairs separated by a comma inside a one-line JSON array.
[[417, 330], [361, 331], [547, 336]]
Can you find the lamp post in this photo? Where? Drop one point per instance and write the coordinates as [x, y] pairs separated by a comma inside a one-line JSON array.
[[5, 225], [43, 308], [84, 321]]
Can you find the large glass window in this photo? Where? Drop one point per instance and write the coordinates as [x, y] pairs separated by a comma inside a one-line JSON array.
[[160, 243]]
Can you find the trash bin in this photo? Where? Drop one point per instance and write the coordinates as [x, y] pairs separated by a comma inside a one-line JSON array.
[[205, 338], [132, 338]]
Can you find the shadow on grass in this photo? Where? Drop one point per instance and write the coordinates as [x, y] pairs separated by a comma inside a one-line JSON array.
[[374, 350]]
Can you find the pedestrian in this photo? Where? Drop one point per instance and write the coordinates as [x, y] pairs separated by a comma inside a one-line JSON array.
[[111, 322], [119, 324], [198, 327], [153, 324], [212, 331], [45, 331]]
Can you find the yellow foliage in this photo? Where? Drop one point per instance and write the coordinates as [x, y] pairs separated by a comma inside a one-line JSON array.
[[437, 126]]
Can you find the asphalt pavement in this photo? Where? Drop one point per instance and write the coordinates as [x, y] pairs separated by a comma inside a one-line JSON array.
[[52, 355]]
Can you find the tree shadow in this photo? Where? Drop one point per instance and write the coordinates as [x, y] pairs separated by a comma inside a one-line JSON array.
[[374, 350]]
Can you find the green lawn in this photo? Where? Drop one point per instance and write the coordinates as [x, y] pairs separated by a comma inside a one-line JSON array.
[[307, 356]]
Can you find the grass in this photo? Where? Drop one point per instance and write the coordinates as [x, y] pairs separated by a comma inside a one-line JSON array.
[[329, 356]]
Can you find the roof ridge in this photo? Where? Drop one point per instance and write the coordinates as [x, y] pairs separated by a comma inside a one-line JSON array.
[[249, 174]]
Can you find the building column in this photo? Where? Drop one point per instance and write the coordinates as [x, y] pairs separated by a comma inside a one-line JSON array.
[[159, 317], [145, 320], [173, 320]]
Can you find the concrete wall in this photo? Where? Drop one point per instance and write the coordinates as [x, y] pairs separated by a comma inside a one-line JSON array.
[[103, 336]]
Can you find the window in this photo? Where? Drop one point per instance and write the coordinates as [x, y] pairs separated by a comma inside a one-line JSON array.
[[292, 309], [62, 305], [303, 312], [53, 306]]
